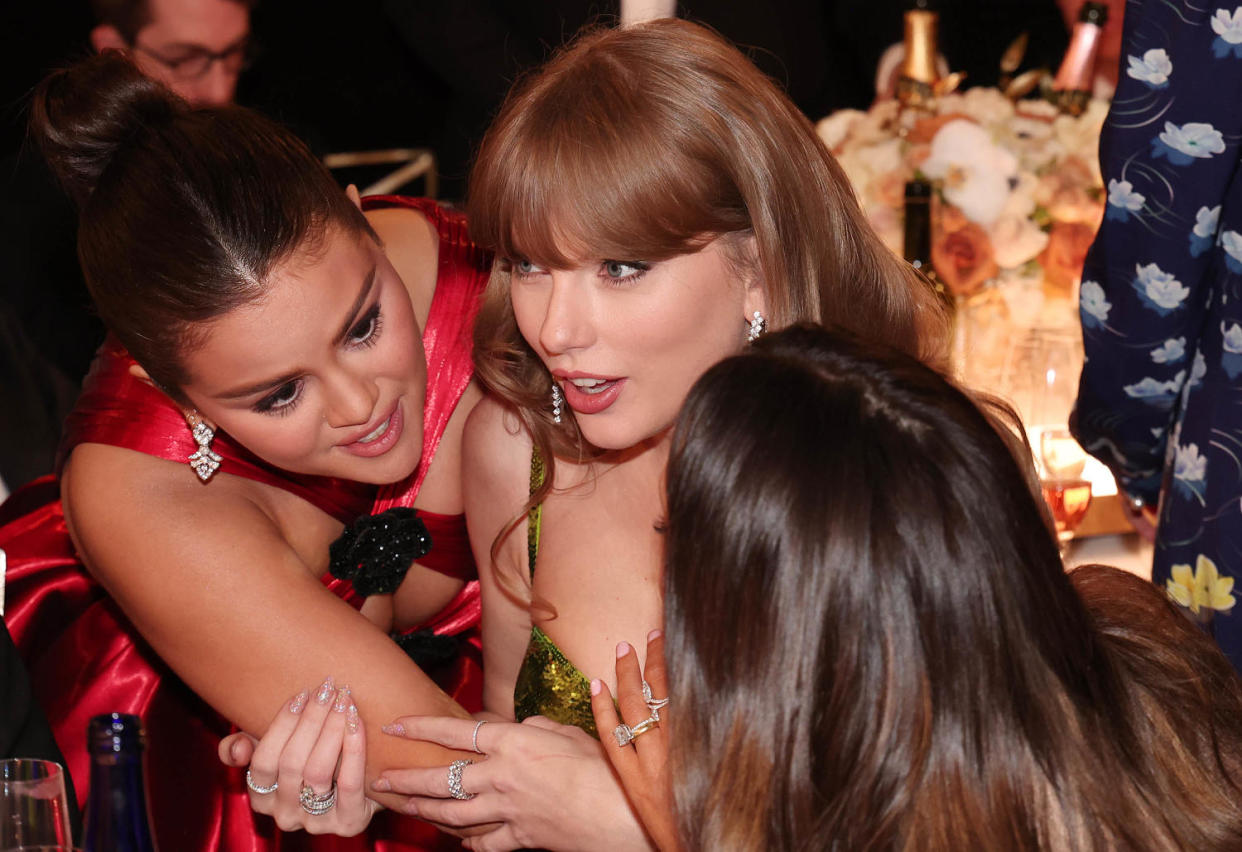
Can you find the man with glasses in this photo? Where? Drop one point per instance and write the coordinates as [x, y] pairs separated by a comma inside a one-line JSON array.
[[195, 47]]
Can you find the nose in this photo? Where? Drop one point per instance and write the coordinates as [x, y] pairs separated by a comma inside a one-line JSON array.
[[349, 398], [568, 321], [216, 87]]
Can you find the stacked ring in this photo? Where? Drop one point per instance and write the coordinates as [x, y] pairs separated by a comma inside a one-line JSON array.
[[454, 779], [474, 738], [314, 804], [259, 788], [626, 734]]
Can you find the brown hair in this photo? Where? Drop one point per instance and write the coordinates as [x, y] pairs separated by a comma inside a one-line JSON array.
[[872, 643], [184, 211], [644, 141]]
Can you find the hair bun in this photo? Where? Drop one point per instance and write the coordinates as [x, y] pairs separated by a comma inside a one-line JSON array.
[[82, 115]]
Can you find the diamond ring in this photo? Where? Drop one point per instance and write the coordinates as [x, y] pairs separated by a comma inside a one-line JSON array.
[[259, 788], [454, 779]]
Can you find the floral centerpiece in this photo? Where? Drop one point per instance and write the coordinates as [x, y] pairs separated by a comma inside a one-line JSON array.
[[1019, 197]]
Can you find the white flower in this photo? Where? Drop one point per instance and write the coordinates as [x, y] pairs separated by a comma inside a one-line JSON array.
[[1206, 220], [1154, 68], [1199, 369], [1227, 26], [1091, 299], [985, 105], [1194, 138], [1233, 338], [1170, 351], [835, 128], [1188, 465], [1121, 194], [1161, 287], [1015, 240], [1231, 242], [1081, 136], [1149, 387], [975, 172]]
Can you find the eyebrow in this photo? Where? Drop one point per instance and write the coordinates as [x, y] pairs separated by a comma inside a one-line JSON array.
[[368, 284]]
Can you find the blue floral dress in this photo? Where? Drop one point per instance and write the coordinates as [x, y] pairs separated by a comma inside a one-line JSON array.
[[1161, 303]]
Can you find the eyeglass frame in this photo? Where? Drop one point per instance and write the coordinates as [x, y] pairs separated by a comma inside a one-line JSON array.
[[244, 50]]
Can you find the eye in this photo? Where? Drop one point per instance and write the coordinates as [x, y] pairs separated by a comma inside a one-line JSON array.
[[282, 400], [623, 271], [366, 331], [523, 268]]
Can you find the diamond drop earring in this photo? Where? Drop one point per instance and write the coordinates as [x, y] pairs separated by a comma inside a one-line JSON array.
[[557, 399], [757, 326], [204, 460]]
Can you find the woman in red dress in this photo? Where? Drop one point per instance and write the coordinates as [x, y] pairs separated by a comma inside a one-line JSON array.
[[312, 365]]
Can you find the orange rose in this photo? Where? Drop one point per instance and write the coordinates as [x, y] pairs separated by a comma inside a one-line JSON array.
[[963, 258], [1067, 248]]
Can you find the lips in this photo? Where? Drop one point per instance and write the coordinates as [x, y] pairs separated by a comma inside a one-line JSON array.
[[379, 437], [588, 394]]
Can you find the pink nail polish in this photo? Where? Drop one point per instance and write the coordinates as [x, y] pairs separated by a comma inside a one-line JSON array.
[[396, 729], [381, 785], [596, 686], [623, 648], [351, 719], [342, 700], [654, 635], [326, 691], [298, 702]]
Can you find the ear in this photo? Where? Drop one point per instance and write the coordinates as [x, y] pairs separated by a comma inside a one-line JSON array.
[[106, 36], [351, 192]]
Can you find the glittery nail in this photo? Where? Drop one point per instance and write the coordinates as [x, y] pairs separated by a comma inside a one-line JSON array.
[[396, 729], [342, 699], [298, 702], [351, 718], [326, 691]]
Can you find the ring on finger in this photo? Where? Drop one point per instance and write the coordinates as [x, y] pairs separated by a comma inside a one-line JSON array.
[[655, 705], [474, 738], [626, 734], [454, 779], [259, 788], [316, 804]]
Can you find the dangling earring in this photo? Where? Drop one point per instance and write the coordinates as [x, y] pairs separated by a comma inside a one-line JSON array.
[[557, 399], [757, 326], [204, 461]]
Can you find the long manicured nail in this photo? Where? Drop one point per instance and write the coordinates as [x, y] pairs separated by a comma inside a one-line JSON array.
[[342, 700], [596, 686], [381, 785], [298, 702], [326, 691], [351, 718], [396, 729], [654, 635], [623, 648]]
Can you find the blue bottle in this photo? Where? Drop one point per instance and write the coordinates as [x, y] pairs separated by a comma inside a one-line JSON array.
[[116, 811]]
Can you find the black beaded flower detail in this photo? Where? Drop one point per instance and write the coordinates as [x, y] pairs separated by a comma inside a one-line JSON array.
[[375, 551]]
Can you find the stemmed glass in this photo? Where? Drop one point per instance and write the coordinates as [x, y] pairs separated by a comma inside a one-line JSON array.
[[34, 810]]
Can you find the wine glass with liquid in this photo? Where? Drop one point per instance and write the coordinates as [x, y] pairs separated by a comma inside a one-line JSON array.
[[34, 810], [1066, 491]]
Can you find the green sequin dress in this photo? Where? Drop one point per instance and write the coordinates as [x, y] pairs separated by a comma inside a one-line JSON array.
[[548, 684]]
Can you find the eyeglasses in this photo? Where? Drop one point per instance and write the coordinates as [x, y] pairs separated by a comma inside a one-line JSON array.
[[196, 62]]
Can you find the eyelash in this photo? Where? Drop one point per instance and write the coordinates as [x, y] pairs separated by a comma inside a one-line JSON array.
[[372, 322], [640, 269]]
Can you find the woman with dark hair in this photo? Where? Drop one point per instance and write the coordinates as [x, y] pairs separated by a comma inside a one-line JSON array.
[[654, 201], [311, 364], [872, 644]]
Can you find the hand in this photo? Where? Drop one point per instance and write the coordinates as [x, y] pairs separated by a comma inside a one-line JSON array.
[[548, 785], [306, 741], [1145, 519], [643, 763]]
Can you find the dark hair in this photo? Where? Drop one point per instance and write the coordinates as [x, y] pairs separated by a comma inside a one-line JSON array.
[[645, 141], [130, 16], [873, 645], [184, 211]]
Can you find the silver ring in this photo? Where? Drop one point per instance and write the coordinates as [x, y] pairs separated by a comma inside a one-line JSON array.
[[314, 804], [655, 705], [454, 779], [474, 738], [259, 788], [626, 734]]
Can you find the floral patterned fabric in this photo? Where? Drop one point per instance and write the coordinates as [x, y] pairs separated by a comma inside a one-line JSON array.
[[1161, 300]]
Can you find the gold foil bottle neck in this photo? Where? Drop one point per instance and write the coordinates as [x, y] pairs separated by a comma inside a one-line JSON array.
[[915, 85]]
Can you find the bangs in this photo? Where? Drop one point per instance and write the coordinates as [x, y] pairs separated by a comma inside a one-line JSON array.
[[592, 165]]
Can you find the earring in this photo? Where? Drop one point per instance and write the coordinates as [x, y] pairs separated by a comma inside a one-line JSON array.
[[204, 461], [757, 326], [557, 399]]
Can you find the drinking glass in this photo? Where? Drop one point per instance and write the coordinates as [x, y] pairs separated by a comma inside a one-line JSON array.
[[34, 810], [1067, 493]]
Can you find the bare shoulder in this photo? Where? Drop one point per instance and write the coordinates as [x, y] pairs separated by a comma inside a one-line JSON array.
[[413, 247], [496, 449]]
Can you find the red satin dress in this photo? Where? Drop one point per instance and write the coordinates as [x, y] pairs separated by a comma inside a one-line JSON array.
[[86, 658]]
